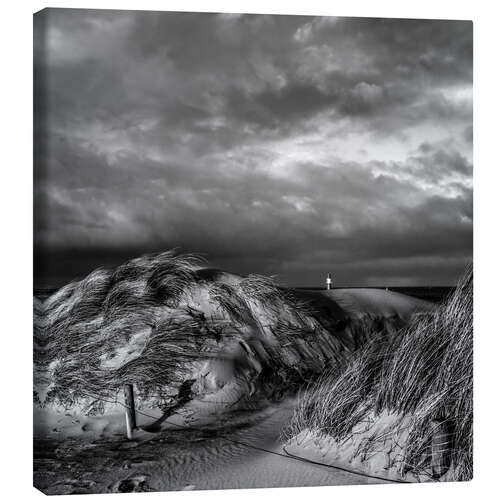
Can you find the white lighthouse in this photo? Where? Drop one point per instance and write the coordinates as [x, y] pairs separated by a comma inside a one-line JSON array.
[[328, 281]]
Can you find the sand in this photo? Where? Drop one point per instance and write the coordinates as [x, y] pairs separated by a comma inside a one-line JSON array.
[[75, 453], [379, 439], [183, 460], [359, 302]]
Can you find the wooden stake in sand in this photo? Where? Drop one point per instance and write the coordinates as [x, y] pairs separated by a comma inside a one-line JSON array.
[[442, 442], [130, 409]]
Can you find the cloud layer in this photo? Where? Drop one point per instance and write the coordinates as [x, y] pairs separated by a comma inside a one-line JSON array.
[[281, 145]]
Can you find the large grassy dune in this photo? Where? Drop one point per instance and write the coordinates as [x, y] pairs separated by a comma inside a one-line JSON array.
[[172, 327], [384, 410]]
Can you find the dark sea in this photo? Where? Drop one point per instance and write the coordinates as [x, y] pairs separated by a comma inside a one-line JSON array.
[[43, 293]]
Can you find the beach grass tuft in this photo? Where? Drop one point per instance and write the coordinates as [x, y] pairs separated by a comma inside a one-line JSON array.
[[422, 374]]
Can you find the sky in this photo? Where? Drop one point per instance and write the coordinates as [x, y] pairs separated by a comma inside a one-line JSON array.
[[281, 145]]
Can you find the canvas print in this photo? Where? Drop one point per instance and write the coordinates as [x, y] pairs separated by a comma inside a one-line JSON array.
[[252, 251]]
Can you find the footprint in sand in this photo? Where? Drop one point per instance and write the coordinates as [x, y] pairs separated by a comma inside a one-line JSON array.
[[132, 484]]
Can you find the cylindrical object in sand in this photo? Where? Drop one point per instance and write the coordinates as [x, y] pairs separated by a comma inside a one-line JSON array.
[[130, 409], [442, 445]]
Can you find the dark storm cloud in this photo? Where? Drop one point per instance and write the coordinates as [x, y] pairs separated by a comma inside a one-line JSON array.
[[276, 144]]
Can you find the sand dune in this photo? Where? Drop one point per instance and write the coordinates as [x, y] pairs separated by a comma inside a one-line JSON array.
[[360, 302], [232, 346], [401, 407], [160, 321]]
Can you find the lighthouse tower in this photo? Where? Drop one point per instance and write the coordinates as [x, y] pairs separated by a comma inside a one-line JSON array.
[[328, 281]]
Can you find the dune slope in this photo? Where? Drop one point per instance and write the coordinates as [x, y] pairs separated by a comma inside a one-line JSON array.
[[169, 326], [401, 406]]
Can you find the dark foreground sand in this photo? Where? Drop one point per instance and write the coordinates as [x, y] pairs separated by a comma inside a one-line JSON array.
[[181, 459]]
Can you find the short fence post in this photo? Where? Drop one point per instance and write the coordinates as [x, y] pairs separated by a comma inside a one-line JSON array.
[[442, 444], [130, 409]]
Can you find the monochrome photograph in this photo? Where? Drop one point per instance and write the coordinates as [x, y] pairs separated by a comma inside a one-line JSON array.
[[252, 251]]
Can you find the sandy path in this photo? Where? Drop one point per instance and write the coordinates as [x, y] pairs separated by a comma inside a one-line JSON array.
[[176, 460]]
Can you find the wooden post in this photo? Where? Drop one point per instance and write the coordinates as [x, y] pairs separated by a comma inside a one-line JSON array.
[[130, 409], [442, 445]]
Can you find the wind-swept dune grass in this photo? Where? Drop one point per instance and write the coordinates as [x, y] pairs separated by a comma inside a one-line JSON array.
[[86, 322], [162, 320], [150, 320], [421, 376]]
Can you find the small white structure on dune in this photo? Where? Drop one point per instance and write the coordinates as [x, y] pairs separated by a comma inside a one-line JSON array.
[[329, 281]]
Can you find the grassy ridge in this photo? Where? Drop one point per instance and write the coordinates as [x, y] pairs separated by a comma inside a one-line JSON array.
[[167, 313], [84, 322], [81, 329], [422, 374]]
